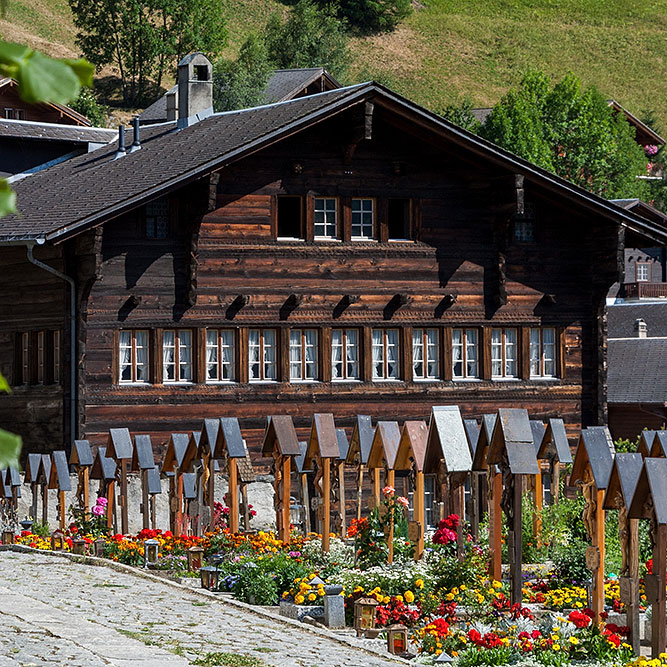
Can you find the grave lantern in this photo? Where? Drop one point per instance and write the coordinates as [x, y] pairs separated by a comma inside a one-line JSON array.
[[26, 524], [57, 540], [494, 484], [382, 456], [650, 502], [410, 457], [364, 615], [282, 445], [593, 461], [195, 556], [79, 546], [625, 473], [98, 546], [397, 639], [209, 577], [8, 537], [513, 449], [357, 454], [151, 551], [59, 479], [448, 457]]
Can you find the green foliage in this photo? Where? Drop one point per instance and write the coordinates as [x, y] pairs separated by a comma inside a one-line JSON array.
[[144, 37], [40, 528], [461, 115], [373, 16], [256, 586], [570, 561], [571, 132], [228, 660], [86, 103], [625, 445], [240, 83], [450, 572], [493, 656], [310, 37]]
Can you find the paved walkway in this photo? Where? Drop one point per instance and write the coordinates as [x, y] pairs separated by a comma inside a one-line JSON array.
[[56, 612]]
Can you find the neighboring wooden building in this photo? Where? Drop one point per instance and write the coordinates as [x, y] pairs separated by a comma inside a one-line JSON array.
[[347, 252]]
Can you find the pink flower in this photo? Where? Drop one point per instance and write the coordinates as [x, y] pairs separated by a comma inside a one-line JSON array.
[[401, 500], [102, 501], [388, 491], [98, 510]]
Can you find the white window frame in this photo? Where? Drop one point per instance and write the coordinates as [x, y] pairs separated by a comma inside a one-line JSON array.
[[427, 353], [329, 217], [504, 346], [384, 347], [363, 224], [349, 354], [301, 367], [267, 355], [644, 266], [469, 342], [217, 342], [543, 364], [134, 362], [25, 358], [180, 348]]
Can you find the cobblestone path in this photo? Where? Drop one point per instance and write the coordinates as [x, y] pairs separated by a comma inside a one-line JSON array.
[[56, 612]]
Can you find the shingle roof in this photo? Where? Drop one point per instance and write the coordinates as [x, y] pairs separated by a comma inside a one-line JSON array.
[[156, 112], [26, 129], [621, 319], [637, 370], [62, 200], [285, 83]]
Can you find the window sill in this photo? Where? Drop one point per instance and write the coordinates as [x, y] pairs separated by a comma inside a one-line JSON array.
[[501, 379], [388, 380], [544, 378], [427, 380], [134, 384], [346, 380], [263, 382], [358, 239], [327, 239], [223, 382], [179, 382], [296, 381], [400, 241], [466, 379], [290, 239]]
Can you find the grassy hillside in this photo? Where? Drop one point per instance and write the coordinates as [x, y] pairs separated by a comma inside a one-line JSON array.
[[450, 49]]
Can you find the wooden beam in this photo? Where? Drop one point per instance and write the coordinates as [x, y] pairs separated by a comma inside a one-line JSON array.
[[233, 496], [62, 509], [658, 611], [495, 525], [599, 542], [341, 499], [124, 520], [285, 522], [305, 499], [419, 513], [145, 500], [326, 497]]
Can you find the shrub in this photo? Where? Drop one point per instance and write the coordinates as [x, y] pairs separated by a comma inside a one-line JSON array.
[[372, 16], [256, 586]]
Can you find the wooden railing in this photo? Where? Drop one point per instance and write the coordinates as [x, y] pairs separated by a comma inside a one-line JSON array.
[[646, 290]]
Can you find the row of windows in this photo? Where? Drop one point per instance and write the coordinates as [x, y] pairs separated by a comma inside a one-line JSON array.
[[224, 349], [14, 114], [38, 357]]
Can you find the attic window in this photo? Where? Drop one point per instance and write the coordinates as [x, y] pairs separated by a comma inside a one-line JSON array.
[[290, 217], [157, 219], [398, 219], [524, 225], [201, 72]]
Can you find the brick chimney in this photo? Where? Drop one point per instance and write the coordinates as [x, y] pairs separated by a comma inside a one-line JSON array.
[[195, 89], [641, 328]]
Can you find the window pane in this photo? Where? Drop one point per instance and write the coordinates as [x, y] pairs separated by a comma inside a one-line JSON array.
[[362, 218], [549, 351], [269, 354], [325, 217], [295, 354], [432, 355], [337, 354], [227, 356], [378, 355], [254, 364], [212, 355], [510, 352], [352, 354], [496, 352], [185, 356], [310, 341], [418, 354], [471, 353], [457, 353], [535, 352], [168, 356], [392, 353]]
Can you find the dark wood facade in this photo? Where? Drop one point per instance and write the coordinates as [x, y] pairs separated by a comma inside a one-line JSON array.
[[222, 266]]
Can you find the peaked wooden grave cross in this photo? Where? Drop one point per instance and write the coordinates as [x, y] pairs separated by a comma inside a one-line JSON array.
[[645, 444], [33, 463], [357, 454], [59, 479], [338, 482], [172, 470], [650, 502], [210, 433], [303, 469], [282, 445], [555, 448], [659, 447], [625, 472], [119, 448], [494, 492], [230, 449], [81, 457], [592, 465], [322, 449], [43, 479], [12, 481], [512, 448], [476, 485], [154, 488], [104, 469], [410, 456], [538, 429], [448, 456], [143, 462]]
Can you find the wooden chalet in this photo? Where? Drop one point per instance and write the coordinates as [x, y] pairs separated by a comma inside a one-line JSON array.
[[345, 252]]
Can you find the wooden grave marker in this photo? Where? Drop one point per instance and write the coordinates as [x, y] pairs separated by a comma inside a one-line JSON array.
[[43, 478], [59, 480], [538, 429], [322, 449], [592, 465], [476, 501], [246, 475], [210, 435], [172, 470], [154, 486], [645, 445], [513, 449], [33, 463], [357, 454], [119, 448], [302, 471], [494, 484], [143, 462], [230, 448], [448, 457], [555, 448], [12, 481], [410, 456], [623, 480], [338, 482], [104, 469], [81, 458], [192, 463], [650, 502], [659, 446], [282, 445]]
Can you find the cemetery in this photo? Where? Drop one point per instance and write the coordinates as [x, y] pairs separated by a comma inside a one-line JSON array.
[[533, 553]]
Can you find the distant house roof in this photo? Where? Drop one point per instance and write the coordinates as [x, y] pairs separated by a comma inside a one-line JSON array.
[[644, 135], [157, 112], [79, 119], [642, 208], [621, 319], [67, 198], [27, 129], [637, 370]]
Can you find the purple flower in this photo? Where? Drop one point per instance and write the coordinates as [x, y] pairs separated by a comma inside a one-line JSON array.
[[98, 510]]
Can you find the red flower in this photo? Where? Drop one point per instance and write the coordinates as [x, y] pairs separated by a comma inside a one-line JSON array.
[[580, 620], [535, 634], [474, 636]]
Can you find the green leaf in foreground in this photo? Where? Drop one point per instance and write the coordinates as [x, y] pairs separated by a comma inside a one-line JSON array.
[[10, 448], [7, 198]]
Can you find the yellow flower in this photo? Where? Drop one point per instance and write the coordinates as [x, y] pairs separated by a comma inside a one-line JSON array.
[[574, 641], [419, 583], [556, 647], [386, 599], [312, 597], [409, 597], [299, 599]]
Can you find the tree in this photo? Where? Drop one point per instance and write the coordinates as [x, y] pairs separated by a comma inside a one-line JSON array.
[[462, 115], [86, 104], [144, 37], [571, 132], [240, 83], [372, 16], [311, 37]]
